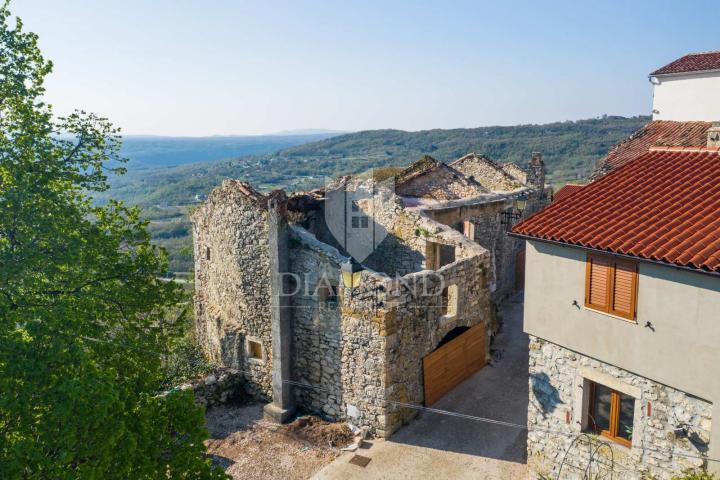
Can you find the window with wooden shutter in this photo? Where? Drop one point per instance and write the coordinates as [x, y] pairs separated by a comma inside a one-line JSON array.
[[611, 285]]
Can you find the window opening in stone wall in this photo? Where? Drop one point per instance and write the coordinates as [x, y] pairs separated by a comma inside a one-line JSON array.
[[611, 413], [207, 253], [449, 301], [437, 255], [254, 350]]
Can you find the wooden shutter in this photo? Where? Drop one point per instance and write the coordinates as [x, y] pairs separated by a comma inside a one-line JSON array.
[[611, 285], [597, 283], [623, 289]]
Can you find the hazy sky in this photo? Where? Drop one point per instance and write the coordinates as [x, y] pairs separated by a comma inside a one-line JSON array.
[[237, 67]]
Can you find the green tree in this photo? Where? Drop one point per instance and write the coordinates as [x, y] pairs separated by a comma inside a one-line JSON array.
[[82, 312]]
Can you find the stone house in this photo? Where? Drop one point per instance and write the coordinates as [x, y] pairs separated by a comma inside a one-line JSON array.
[[621, 301], [346, 301]]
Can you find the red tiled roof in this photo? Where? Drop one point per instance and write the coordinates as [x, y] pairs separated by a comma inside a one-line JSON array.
[[566, 191], [657, 133], [693, 62], [664, 206]]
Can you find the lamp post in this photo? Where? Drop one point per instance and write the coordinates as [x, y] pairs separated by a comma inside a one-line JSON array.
[[351, 272]]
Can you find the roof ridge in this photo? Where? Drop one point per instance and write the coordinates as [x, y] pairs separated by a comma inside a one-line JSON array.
[[661, 148]]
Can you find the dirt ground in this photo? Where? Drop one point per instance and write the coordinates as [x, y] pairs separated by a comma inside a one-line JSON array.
[[248, 447]]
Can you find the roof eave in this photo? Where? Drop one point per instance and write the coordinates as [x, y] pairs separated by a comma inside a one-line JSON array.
[[678, 74], [523, 236]]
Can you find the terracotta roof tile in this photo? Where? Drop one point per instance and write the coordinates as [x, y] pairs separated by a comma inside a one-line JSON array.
[[693, 62], [565, 191], [664, 206], [657, 133]]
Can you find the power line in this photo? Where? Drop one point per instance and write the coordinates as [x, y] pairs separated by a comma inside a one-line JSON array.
[[381, 401]]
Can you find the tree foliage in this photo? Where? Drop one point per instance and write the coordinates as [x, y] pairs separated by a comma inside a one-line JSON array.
[[82, 315]]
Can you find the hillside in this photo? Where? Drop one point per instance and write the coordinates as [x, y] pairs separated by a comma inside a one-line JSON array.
[[156, 151], [570, 150]]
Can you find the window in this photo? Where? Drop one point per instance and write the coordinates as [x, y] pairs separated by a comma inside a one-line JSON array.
[[437, 255], [207, 253], [611, 285], [449, 301], [469, 229], [355, 206], [359, 221], [611, 414], [254, 349]]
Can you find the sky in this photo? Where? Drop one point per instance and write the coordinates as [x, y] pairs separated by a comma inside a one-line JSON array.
[[233, 67]]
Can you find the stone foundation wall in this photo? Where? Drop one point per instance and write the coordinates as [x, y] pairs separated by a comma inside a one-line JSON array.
[[666, 437]]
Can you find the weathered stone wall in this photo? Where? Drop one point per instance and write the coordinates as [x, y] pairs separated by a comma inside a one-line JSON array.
[[217, 388], [489, 231], [487, 173], [418, 325], [440, 183], [515, 171], [409, 230], [232, 299], [317, 332], [558, 400]]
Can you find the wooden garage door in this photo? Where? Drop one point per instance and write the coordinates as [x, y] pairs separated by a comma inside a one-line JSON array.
[[453, 362]]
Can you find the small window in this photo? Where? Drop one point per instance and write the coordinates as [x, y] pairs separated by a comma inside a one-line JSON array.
[[354, 206], [207, 253], [469, 229], [611, 286], [254, 349], [611, 414], [360, 221], [449, 301]]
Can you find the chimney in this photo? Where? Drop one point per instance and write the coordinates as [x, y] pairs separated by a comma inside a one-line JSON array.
[[536, 172], [713, 136]]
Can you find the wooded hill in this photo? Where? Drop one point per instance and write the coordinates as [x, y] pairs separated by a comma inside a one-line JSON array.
[[570, 150]]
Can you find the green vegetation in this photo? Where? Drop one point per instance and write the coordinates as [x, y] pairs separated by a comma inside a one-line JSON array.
[[84, 320], [570, 149]]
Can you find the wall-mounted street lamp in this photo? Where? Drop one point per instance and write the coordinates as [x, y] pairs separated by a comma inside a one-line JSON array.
[[351, 272], [515, 212]]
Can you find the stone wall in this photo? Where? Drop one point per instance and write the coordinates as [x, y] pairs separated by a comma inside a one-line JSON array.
[[409, 230], [232, 281], [217, 388], [670, 428], [489, 231], [515, 171], [440, 182], [317, 332], [487, 173], [418, 325]]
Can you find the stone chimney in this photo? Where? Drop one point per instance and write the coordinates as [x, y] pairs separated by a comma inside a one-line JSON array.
[[536, 172], [713, 136]]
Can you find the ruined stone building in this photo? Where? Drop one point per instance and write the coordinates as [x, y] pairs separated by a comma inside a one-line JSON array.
[[349, 301]]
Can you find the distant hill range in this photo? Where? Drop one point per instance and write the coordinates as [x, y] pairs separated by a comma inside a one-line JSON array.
[[570, 150], [156, 151]]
